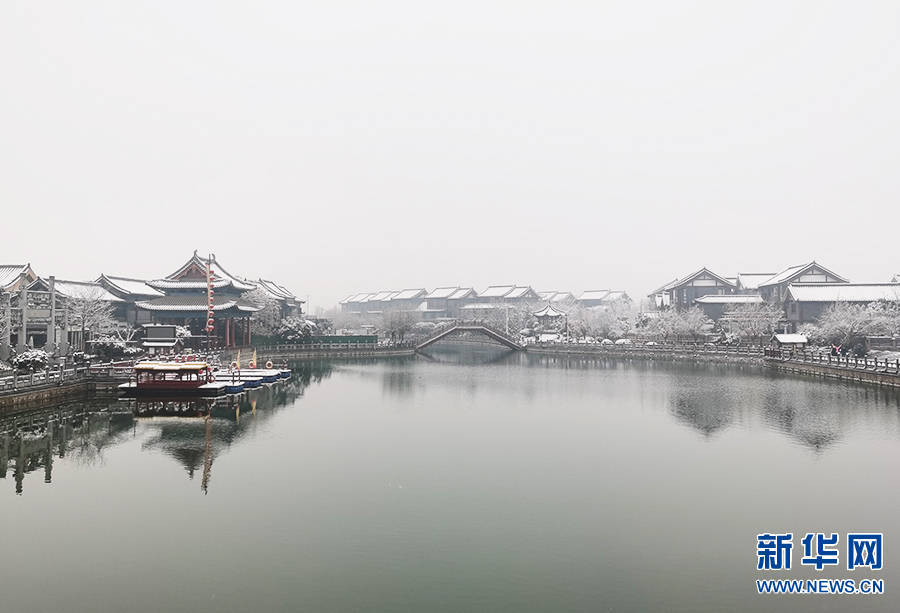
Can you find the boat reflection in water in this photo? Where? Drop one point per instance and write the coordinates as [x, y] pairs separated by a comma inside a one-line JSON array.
[[193, 431]]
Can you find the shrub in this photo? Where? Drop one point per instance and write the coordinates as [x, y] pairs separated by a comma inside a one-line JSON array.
[[32, 359]]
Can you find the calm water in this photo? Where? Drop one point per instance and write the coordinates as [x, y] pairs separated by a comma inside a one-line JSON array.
[[474, 481]]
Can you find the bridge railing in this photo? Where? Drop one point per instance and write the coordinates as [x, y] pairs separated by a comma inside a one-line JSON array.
[[464, 324]]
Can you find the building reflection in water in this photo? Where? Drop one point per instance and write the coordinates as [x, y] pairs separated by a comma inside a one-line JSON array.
[[191, 431]]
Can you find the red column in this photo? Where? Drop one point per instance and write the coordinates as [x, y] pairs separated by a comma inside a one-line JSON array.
[[227, 333]]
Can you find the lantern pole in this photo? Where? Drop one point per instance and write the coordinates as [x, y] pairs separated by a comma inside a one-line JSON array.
[[210, 299]]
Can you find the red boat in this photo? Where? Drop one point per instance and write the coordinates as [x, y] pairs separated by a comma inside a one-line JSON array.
[[173, 378]]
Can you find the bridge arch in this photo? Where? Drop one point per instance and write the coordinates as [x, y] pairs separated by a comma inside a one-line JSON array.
[[472, 326]]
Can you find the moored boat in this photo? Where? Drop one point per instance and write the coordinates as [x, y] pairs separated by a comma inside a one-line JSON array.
[[174, 378]]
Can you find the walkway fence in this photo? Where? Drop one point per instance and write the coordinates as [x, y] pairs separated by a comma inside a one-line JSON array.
[[655, 347], [300, 347], [835, 361], [60, 376]]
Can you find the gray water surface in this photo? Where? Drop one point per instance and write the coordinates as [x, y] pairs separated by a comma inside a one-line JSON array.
[[466, 481]]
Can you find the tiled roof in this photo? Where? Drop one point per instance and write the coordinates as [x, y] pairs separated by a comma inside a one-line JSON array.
[[664, 288], [519, 291], [729, 299], [408, 294], [844, 292], [9, 273], [441, 292], [222, 276], [788, 273], [614, 295], [463, 292], [594, 294], [549, 311], [193, 303], [275, 290], [356, 297], [497, 291], [751, 280], [135, 287], [80, 290]]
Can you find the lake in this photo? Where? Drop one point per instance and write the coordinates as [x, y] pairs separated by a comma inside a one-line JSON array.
[[467, 480]]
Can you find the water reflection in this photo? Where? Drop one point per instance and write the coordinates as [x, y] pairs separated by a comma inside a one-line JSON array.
[[191, 431]]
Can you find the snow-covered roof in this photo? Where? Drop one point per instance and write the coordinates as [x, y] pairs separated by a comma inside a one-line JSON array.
[[549, 311], [519, 292], [382, 295], [593, 294], [441, 292], [463, 292], [751, 280], [665, 287], [702, 271], [792, 271], [730, 299], [10, 273], [614, 295], [791, 339], [192, 275], [275, 290], [126, 285], [80, 290], [555, 296], [497, 291], [409, 294], [481, 305], [361, 297], [844, 292], [194, 303]]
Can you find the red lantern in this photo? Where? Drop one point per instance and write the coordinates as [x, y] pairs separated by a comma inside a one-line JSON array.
[[210, 322]]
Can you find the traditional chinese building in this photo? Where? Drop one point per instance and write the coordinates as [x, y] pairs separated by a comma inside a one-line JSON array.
[[185, 302], [290, 305], [774, 290], [130, 291], [681, 293]]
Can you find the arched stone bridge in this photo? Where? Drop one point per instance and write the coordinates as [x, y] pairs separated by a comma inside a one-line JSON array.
[[472, 326]]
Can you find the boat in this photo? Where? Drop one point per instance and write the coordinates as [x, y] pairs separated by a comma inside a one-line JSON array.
[[176, 379]]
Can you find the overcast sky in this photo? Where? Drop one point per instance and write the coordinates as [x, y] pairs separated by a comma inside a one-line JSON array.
[[350, 146]]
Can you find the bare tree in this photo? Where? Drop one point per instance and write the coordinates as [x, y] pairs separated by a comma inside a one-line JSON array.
[[397, 324]]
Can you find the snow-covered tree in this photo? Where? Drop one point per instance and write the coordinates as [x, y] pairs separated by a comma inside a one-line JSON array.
[[754, 321], [31, 359], [90, 313], [293, 329], [267, 320], [673, 324], [849, 324]]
